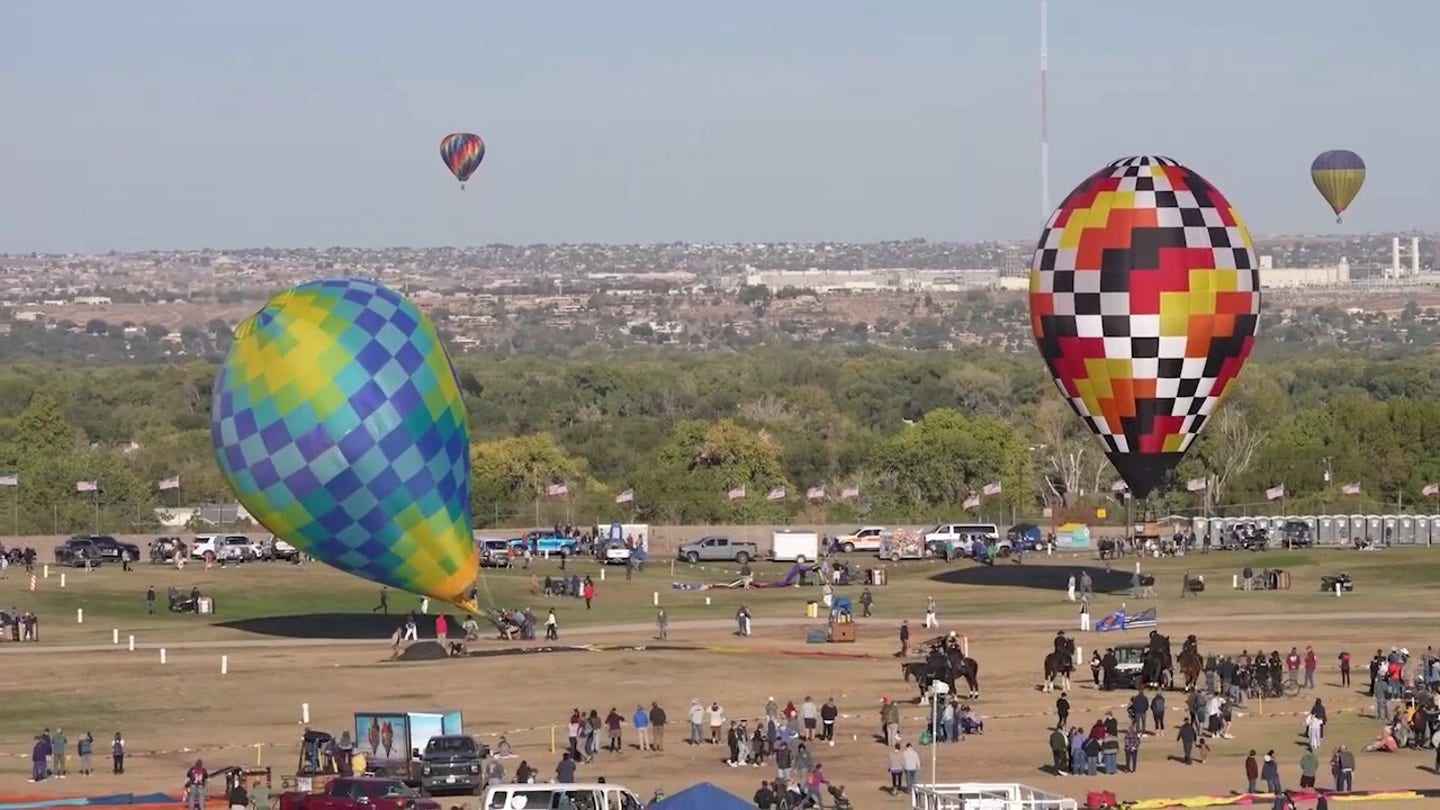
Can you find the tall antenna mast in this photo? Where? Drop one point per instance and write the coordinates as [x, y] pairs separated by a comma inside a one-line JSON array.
[[1044, 117]]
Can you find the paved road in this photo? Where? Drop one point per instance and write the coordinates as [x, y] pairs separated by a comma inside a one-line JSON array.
[[588, 633]]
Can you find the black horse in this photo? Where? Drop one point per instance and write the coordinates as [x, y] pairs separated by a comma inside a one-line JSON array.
[[1190, 661], [1060, 664], [945, 668], [1157, 666]]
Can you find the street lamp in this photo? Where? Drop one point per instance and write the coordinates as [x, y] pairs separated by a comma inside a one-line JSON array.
[[938, 690]]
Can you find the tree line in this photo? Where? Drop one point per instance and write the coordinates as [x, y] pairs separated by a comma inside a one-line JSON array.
[[918, 434]]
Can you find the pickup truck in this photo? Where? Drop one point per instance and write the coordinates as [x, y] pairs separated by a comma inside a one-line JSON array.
[[452, 763], [541, 543], [368, 793], [716, 549], [865, 538], [77, 551]]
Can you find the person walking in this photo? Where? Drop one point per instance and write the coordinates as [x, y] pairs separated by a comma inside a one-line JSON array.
[[1062, 711], [1345, 779], [384, 606], [904, 639], [117, 754], [442, 628], [1084, 614], [1187, 737], [897, 770], [552, 626], [911, 759], [1157, 710], [867, 602], [150, 600], [1070, 589], [662, 625], [1344, 668], [1309, 767], [931, 620], [1059, 749]]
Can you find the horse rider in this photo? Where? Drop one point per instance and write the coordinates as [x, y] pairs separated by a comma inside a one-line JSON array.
[[1063, 645]]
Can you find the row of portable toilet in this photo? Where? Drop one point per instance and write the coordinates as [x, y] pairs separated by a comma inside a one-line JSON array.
[[1406, 530]]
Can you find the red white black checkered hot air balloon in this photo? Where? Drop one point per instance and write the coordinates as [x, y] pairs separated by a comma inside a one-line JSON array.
[[1144, 299]]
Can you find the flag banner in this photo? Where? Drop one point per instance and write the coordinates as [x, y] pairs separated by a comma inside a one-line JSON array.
[[169, 483], [87, 486], [992, 489], [850, 492], [1275, 493], [1351, 489], [815, 493], [972, 503], [628, 496], [556, 490], [776, 494], [1119, 621], [10, 480], [736, 493], [1195, 485]]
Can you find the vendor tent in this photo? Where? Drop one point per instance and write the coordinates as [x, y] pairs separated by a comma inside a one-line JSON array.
[[704, 796]]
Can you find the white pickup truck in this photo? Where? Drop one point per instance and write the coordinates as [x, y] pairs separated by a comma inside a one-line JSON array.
[[865, 538]]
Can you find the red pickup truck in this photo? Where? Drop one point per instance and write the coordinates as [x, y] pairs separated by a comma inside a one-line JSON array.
[[368, 793]]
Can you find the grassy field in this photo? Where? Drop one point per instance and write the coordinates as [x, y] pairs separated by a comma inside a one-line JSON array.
[[184, 709]]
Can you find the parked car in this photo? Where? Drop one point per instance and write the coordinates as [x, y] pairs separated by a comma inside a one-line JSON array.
[[228, 547], [277, 549], [547, 542], [368, 793], [715, 549], [495, 553], [452, 763], [166, 549], [78, 552], [1296, 534], [865, 538], [112, 549], [951, 540]]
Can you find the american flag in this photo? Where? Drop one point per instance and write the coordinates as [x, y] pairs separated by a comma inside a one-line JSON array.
[[816, 493], [1196, 485], [971, 503], [776, 494], [1429, 490], [1351, 489], [169, 483], [992, 489], [1275, 493], [850, 492], [87, 486], [628, 496], [556, 490], [12, 480], [735, 493]]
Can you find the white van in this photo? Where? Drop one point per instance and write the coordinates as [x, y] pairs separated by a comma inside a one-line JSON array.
[[546, 796]]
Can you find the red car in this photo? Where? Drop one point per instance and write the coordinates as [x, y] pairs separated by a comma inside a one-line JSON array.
[[368, 793]]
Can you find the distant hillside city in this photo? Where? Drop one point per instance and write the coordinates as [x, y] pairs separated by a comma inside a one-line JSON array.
[[156, 306]]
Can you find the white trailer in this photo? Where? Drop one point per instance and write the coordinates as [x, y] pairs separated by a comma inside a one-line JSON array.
[[792, 546]]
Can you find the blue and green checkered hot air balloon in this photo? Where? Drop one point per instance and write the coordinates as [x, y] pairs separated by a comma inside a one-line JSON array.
[[338, 423]]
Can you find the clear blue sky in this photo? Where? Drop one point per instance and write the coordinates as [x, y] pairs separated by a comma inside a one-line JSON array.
[[202, 123]]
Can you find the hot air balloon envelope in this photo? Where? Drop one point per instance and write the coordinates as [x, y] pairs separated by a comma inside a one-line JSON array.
[[1338, 174], [338, 423], [462, 153], [1144, 298]]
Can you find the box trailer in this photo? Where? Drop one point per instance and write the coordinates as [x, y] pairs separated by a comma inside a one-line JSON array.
[[797, 547]]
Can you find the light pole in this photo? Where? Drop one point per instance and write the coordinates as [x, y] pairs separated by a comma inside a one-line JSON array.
[[938, 690]]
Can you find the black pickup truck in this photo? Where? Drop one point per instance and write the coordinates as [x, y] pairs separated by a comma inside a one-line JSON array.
[[453, 763], [111, 549], [77, 552]]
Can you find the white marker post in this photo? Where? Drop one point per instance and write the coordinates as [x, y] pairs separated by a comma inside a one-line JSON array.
[[114, 636], [45, 570], [132, 644], [655, 599], [62, 579], [707, 600], [1337, 590], [162, 656], [224, 665], [79, 615], [965, 646], [602, 573], [1234, 582], [305, 713]]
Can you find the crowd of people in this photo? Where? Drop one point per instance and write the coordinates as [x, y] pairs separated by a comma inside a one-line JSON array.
[[50, 755]]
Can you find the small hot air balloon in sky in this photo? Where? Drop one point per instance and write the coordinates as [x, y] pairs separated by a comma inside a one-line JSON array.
[[462, 153], [1144, 298], [1338, 174], [337, 422]]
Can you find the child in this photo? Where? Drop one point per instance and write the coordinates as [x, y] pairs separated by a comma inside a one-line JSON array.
[[1202, 751]]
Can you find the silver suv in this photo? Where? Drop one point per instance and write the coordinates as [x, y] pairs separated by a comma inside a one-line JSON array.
[[495, 553]]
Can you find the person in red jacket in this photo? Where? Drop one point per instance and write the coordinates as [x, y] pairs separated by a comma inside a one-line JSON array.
[[1292, 663], [588, 591], [1310, 663], [1344, 668]]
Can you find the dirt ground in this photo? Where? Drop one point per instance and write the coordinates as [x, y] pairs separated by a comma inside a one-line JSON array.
[[174, 713]]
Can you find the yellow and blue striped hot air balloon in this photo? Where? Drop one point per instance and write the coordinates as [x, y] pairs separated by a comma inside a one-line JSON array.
[[1338, 174], [338, 423]]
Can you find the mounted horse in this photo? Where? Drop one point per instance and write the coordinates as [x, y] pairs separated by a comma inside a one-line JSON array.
[[1060, 663], [1191, 662], [945, 666], [1158, 666]]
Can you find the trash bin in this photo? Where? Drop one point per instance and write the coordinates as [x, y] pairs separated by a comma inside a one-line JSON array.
[[812, 610], [1282, 580], [875, 576]]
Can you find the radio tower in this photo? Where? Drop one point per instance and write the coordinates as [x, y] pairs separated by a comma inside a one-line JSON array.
[[1044, 122]]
